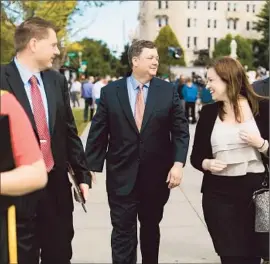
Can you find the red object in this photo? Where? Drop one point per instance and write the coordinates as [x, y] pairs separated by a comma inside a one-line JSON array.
[[24, 144], [42, 127]]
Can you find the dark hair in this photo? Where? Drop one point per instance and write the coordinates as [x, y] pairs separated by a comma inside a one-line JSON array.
[[136, 48], [234, 75], [33, 27]]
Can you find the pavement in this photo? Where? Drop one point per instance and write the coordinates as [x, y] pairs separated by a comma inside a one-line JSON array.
[[184, 236]]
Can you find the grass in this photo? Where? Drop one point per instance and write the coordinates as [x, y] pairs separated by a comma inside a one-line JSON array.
[[78, 116]]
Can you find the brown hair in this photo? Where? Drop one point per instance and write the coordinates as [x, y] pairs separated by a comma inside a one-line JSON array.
[[136, 49], [233, 74], [33, 27]]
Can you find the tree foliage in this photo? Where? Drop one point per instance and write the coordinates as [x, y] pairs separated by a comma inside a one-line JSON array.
[[244, 49], [261, 46], [60, 13], [165, 39], [100, 61]]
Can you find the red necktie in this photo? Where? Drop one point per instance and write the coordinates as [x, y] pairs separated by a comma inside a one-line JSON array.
[[41, 124]]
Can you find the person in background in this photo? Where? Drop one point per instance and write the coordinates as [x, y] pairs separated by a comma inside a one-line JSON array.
[[87, 95], [97, 89], [231, 148], [29, 173], [75, 92], [190, 95], [180, 85], [261, 87]]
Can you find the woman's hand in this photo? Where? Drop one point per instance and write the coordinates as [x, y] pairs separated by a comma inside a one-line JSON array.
[[252, 139], [213, 165]]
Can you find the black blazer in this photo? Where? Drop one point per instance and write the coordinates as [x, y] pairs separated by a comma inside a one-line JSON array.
[[262, 87], [113, 136], [202, 148], [65, 143]]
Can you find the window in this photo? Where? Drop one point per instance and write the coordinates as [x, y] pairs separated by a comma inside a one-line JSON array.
[[209, 5], [215, 6], [228, 23], [209, 43], [234, 24], [159, 4], [195, 41], [166, 20], [167, 4], [215, 24], [247, 8], [195, 22], [229, 7], [254, 25], [159, 22], [208, 23], [215, 41], [253, 8], [234, 7], [188, 4], [188, 42], [195, 4], [248, 25], [188, 22]]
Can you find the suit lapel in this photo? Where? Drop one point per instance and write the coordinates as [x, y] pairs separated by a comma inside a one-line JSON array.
[[150, 102], [50, 88], [124, 101], [17, 87]]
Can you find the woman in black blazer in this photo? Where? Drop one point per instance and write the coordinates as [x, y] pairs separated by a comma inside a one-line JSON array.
[[231, 147]]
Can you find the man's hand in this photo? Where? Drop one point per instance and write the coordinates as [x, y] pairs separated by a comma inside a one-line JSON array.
[[93, 175], [85, 190], [175, 175]]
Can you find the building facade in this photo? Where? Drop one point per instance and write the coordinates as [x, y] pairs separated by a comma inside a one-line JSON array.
[[198, 24]]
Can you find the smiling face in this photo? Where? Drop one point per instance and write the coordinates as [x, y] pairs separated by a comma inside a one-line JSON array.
[[216, 85], [147, 62], [45, 50]]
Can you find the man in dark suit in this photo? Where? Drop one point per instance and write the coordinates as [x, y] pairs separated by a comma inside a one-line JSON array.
[[261, 87], [141, 130], [44, 219]]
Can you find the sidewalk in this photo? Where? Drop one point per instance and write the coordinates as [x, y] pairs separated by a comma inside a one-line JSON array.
[[184, 237]]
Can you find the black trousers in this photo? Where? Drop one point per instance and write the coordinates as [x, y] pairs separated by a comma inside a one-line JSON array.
[[124, 210], [48, 233], [88, 103]]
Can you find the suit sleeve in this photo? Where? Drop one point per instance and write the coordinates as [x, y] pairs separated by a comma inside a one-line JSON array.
[[76, 155], [180, 130], [200, 149], [97, 142]]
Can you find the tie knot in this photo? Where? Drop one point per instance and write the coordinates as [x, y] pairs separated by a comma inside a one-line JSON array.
[[140, 87], [33, 80]]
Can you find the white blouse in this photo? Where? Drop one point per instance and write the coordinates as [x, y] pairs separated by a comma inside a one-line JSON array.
[[228, 147]]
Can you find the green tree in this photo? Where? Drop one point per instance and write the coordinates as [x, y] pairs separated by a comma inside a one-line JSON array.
[[125, 67], [261, 46], [61, 13], [165, 39], [244, 49], [100, 60]]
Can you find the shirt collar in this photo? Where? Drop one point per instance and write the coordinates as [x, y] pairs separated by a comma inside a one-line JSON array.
[[25, 73], [135, 83]]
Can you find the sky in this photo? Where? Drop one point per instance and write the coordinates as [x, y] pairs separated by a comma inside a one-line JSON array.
[[111, 23]]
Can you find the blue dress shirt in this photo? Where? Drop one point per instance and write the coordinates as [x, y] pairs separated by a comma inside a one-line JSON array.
[[133, 88], [26, 75]]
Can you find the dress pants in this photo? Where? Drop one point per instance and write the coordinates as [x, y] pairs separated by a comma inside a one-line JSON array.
[[148, 206]]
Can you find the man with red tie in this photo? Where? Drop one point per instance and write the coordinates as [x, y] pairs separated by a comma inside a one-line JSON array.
[[45, 222], [141, 130]]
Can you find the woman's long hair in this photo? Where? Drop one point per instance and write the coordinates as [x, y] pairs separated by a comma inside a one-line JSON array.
[[233, 74]]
